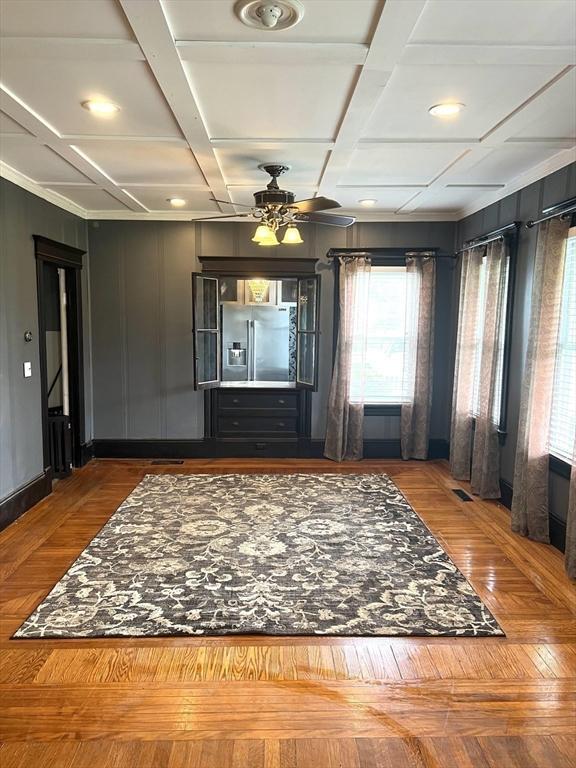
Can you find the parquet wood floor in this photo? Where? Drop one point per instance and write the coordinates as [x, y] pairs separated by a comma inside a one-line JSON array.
[[280, 702]]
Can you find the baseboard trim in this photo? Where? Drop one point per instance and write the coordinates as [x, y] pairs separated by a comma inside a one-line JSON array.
[[210, 448], [24, 498], [86, 453], [505, 494], [556, 526]]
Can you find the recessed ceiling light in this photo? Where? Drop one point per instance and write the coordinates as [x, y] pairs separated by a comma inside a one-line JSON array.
[[101, 107], [448, 109], [368, 202], [176, 202]]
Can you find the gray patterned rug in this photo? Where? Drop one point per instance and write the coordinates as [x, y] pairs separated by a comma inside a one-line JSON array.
[[276, 554]]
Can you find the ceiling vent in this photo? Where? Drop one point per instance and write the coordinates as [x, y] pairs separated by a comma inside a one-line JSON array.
[[271, 16]]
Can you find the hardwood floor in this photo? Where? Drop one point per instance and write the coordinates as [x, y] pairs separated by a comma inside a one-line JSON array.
[[278, 702]]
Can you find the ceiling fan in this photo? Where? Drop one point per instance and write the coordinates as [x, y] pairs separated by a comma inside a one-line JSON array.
[[274, 208]]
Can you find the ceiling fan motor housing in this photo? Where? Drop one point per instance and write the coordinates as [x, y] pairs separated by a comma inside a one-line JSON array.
[[273, 197]]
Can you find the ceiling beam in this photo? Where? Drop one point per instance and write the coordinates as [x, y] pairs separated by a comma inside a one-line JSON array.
[[49, 136], [272, 54], [395, 25], [150, 26], [65, 48], [448, 54]]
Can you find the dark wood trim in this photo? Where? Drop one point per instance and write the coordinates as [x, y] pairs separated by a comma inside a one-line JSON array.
[[57, 253], [559, 467], [506, 494], [557, 530], [258, 265], [207, 448], [86, 453], [382, 409], [50, 253], [25, 498]]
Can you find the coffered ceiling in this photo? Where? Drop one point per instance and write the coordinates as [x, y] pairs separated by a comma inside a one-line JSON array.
[[342, 97]]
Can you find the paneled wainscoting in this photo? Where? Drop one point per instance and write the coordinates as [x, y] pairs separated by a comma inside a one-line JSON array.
[[282, 702]]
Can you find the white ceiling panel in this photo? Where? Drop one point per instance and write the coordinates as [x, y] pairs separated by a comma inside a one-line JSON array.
[[503, 164], [291, 103], [498, 21], [90, 198], [449, 200], [240, 163], [403, 108], [55, 89], [63, 18], [156, 198], [558, 120], [37, 162], [140, 162], [387, 199], [328, 20], [7, 125], [397, 164]]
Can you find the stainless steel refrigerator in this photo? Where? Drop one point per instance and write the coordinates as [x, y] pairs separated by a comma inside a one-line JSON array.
[[255, 343]]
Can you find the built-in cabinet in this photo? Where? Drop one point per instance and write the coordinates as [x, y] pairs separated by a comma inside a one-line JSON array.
[[255, 326]]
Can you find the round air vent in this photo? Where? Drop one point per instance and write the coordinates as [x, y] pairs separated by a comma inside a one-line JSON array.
[[270, 16]]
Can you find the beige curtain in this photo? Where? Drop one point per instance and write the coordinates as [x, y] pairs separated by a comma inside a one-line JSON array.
[[345, 424], [530, 499], [418, 358], [474, 445]]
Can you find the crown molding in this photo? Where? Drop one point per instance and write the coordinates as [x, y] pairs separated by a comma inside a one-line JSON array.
[[540, 171], [11, 174]]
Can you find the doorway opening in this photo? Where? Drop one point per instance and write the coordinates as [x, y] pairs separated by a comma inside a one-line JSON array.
[[58, 271]]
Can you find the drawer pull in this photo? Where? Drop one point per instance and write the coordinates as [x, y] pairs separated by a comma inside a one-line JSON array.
[[235, 423], [281, 402], [235, 401], [280, 424]]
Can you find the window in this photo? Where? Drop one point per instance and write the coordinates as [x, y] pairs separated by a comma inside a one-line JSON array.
[[563, 417], [392, 299], [479, 340]]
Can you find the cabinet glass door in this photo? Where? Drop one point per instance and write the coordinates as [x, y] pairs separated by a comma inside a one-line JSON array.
[[307, 332], [206, 331]]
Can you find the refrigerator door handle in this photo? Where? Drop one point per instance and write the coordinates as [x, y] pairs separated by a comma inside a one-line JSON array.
[[254, 325]]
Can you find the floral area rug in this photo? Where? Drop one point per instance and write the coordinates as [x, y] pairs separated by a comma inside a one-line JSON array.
[[298, 554]]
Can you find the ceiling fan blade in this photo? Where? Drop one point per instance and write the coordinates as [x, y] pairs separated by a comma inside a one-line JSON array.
[[224, 216], [326, 218], [227, 202], [315, 204]]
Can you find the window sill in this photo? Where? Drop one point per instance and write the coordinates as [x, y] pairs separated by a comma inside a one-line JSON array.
[[559, 466], [382, 409]]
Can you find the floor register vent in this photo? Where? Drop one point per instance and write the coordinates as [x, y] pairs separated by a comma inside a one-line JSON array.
[[462, 495]]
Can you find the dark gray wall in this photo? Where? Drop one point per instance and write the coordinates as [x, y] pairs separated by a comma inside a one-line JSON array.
[[522, 206], [141, 319], [21, 216]]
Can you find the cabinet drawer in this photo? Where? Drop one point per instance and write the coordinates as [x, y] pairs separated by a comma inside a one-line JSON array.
[[276, 400], [246, 425]]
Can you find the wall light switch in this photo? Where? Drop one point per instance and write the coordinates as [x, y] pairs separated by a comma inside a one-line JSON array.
[[27, 370]]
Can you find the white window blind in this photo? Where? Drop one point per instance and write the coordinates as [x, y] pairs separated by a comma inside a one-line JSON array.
[[563, 417], [381, 372]]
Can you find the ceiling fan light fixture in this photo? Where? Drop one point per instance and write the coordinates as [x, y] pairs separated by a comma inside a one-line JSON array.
[[446, 109], [292, 235], [263, 232], [270, 239]]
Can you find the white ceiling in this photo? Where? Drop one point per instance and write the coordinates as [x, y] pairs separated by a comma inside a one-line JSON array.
[[342, 97]]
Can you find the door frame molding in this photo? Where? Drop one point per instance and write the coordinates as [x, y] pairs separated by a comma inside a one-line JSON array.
[[70, 259]]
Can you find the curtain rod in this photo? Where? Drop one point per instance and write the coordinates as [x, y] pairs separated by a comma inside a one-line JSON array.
[[489, 237], [430, 253], [560, 209]]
